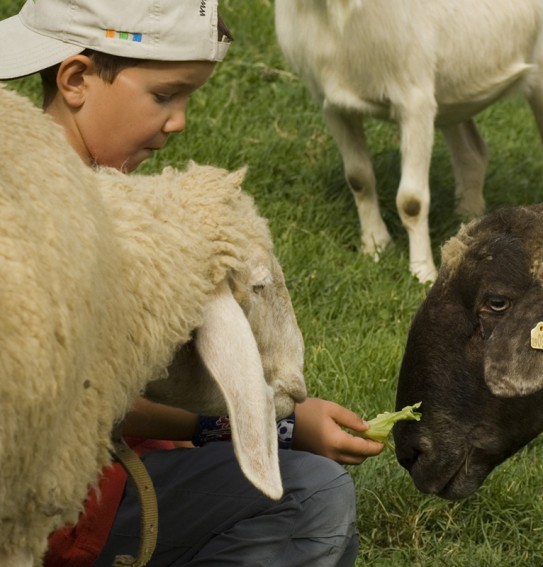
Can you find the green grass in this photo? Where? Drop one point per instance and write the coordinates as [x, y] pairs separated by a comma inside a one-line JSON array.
[[355, 313]]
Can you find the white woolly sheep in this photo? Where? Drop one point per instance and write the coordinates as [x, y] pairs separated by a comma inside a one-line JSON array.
[[473, 355], [419, 64], [103, 277]]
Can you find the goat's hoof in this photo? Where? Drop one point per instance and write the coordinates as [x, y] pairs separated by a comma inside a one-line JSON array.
[[425, 275]]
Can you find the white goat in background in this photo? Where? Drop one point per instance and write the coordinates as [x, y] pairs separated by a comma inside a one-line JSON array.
[[419, 63]]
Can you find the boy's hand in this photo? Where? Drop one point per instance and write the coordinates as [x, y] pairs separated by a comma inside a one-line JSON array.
[[319, 429]]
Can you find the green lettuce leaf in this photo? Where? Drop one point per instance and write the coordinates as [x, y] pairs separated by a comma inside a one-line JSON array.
[[381, 426]]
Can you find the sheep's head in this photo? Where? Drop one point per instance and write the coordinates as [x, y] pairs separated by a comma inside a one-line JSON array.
[[261, 292], [264, 298], [503, 257], [468, 347]]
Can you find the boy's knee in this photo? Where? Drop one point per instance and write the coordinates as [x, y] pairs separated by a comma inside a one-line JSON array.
[[326, 496], [324, 527], [335, 500]]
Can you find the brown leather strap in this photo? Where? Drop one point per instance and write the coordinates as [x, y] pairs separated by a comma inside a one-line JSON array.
[[137, 472]]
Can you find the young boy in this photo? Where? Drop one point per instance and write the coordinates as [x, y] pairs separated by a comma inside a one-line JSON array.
[[117, 76]]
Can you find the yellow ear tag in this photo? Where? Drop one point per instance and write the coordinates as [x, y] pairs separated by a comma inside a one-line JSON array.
[[537, 336]]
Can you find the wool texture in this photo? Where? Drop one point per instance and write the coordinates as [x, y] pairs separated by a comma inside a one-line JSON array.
[[102, 277]]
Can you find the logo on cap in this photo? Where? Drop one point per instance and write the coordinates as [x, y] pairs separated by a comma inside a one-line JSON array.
[[112, 34]]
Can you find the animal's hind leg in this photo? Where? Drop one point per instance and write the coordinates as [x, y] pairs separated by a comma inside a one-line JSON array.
[[469, 155], [348, 132], [535, 99]]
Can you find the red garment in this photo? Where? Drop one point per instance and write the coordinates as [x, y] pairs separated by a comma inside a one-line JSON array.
[[80, 545]]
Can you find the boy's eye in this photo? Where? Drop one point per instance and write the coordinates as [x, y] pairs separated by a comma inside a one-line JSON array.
[[161, 98]]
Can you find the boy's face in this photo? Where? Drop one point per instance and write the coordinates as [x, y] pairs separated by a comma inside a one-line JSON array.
[[121, 124]]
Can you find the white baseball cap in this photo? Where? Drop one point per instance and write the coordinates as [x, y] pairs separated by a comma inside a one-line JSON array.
[[45, 32]]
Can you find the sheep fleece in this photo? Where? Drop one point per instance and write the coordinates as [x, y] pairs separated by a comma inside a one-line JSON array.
[[102, 276]]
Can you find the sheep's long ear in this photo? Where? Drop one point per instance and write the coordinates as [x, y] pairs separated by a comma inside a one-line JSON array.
[[229, 350], [512, 366]]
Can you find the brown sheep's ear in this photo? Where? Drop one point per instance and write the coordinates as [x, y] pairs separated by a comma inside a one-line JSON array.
[[513, 367]]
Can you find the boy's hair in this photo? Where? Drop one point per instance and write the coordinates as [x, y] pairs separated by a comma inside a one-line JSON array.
[[107, 66]]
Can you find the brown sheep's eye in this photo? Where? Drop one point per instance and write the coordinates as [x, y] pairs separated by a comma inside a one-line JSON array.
[[498, 304]]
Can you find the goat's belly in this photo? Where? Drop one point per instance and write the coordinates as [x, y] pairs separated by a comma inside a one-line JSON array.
[[455, 113], [456, 104]]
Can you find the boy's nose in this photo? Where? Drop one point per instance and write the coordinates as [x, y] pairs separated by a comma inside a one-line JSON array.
[[176, 121]]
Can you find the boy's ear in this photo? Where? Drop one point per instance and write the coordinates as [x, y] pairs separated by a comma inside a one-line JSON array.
[[71, 79]]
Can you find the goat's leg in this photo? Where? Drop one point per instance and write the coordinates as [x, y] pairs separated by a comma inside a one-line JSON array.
[[535, 99], [416, 119], [469, 155], [348, 132]]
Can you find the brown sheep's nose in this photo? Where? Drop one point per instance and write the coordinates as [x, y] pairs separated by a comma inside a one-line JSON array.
[[406, 445], [408, 460]]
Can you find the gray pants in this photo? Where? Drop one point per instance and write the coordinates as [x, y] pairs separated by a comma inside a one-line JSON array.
[[210, 515]]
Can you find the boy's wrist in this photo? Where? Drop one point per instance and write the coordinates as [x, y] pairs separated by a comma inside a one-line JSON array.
[[217, 428], [212, 428]]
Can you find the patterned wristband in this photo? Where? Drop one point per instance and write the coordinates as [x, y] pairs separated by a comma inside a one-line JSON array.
[[212, 428], [217, 428], [285, 431]]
